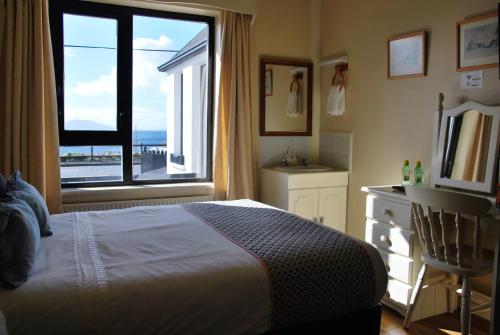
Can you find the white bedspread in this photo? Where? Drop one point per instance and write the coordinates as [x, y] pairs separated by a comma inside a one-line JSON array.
[[143, 270]]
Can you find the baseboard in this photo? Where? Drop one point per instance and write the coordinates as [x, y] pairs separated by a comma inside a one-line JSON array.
[[476, 299]]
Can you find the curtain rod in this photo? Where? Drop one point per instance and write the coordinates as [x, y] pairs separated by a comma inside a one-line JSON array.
[[197, 5]]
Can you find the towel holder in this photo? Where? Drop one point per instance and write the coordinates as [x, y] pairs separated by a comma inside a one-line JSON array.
[[340, 69], [334, 61]]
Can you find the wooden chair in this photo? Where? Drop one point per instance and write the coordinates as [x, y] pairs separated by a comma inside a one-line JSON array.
[[442, 240]]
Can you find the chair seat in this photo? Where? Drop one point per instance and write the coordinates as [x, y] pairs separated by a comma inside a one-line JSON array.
[[469, 267]]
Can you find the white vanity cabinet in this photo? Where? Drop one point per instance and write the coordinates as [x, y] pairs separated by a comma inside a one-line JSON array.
[[389, 229], [318, 196]]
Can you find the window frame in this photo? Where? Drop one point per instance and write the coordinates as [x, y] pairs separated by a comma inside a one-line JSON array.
[[123, 135]]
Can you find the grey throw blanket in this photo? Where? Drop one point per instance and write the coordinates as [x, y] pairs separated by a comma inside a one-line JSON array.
[[315, 272]]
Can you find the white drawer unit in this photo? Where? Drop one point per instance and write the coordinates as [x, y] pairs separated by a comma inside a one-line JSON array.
[[318, 196], [397, 266], [398, 292], [389, 237], [389, 229], [388, 211]]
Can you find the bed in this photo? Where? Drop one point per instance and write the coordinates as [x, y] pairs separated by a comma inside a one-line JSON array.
[[235, 267]]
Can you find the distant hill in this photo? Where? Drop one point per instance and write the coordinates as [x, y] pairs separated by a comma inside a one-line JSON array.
[[85, 125]]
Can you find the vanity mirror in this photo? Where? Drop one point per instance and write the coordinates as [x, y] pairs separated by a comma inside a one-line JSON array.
[[467, 144], [285, 97]]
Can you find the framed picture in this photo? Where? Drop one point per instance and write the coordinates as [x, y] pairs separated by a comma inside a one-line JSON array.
[[269, 82], [477, 43], [406, 56]]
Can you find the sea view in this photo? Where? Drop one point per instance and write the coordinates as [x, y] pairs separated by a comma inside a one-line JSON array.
[[140, 137]]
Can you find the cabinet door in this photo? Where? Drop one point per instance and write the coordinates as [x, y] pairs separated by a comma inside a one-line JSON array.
[[333, 206], [304, 202]]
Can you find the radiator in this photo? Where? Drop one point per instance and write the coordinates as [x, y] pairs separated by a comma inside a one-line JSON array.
[[101, 206]]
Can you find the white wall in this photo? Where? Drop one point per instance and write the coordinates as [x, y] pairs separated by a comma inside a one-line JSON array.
[[392, 120]]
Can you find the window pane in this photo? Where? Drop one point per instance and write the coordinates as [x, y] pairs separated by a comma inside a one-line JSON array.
[[169, 98], [90, 67], [91, 164]]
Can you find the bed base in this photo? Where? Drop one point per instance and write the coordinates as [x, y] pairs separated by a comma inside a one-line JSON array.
[[366, 322]]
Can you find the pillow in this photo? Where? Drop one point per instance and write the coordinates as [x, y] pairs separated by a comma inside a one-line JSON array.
[[20, 189], [39, 208], [3, 185], [19, 242]]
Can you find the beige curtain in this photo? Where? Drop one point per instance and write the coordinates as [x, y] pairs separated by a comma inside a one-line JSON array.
[[234, 171], [28, 113]]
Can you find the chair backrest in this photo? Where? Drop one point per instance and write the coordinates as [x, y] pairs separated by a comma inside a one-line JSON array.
[[434, 234]]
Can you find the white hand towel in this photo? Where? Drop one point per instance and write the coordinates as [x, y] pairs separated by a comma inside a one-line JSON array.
[[294, 108], [335, 105]]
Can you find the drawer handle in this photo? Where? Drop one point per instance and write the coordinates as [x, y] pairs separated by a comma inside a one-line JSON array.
[[387, 212], [385, 239], [321, 219]]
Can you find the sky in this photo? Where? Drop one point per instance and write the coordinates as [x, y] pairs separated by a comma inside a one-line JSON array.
[[91, 73]]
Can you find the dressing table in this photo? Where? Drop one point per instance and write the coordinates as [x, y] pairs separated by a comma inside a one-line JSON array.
[[464, 159], [389, 227]]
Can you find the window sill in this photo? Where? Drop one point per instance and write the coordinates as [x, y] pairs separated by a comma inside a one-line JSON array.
[[136, 192]]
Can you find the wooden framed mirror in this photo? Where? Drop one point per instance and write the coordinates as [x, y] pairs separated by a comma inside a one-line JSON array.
[[285, 95], [466, 141]]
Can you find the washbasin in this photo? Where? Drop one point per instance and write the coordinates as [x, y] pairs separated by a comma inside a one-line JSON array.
[[303, 168]]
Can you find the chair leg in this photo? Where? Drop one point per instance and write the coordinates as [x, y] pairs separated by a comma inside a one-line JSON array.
[[465, 307], [415, 294]]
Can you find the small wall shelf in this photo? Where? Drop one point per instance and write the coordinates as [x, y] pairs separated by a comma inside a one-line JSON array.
[[334, 61]]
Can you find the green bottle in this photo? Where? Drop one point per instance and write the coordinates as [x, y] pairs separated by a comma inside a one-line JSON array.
[[418, 173], [406, 173]]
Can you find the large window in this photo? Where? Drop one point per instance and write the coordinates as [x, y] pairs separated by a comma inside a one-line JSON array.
[[134, 91]]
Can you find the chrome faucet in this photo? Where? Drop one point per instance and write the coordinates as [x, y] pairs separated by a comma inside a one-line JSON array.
[[288, 158], [284, 159]]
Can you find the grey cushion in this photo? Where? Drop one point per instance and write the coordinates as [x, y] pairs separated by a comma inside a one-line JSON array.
[[19, 242], [20, 189]]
